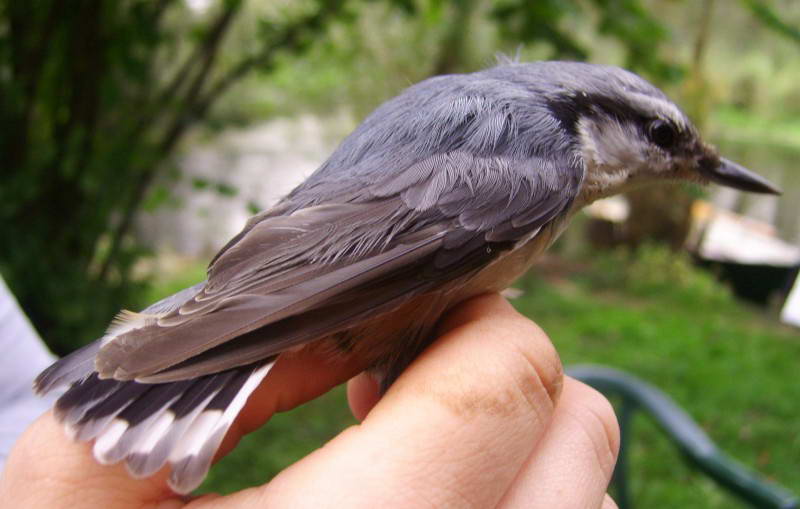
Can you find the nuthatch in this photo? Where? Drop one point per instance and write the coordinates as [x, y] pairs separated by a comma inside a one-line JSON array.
[[449, 190]]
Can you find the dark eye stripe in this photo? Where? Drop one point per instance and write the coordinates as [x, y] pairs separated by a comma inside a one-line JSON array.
[[569, 110]]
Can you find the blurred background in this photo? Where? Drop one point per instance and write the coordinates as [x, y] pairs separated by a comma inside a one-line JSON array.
[[139, 135]]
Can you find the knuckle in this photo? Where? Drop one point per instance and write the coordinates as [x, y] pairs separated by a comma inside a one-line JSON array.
[[530, 364], [513, 368], [540, 370]]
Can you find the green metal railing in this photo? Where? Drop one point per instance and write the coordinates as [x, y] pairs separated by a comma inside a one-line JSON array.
[[696, 447]]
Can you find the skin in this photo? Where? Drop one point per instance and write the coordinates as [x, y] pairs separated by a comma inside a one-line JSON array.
[[440, 437]]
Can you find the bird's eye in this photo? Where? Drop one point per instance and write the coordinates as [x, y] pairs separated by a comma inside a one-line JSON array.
[[662, 134]]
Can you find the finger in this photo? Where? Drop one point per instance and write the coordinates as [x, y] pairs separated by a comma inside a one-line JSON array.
[[47, 469], [608, 503], [572, 465], [453, 430], [363, 393]]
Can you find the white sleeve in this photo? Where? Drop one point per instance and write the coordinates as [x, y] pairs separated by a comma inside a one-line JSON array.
[[23, 357]]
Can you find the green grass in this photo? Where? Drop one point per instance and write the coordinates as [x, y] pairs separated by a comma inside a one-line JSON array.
[[729, 366]]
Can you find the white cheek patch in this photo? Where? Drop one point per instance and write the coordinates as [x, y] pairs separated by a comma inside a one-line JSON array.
[[617, 156], [611, 146]]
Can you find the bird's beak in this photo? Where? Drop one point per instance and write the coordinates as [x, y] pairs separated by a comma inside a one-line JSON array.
[[728, 173]]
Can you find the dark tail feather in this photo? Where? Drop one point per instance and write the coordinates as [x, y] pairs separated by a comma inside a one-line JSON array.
[[149, 425]]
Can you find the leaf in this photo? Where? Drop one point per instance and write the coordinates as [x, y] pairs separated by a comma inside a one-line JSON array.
[[199, 183], [156, 198], [253, 208], [771, 19], [225, 189]]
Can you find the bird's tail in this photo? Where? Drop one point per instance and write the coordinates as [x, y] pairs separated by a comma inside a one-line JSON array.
[[149, 425]]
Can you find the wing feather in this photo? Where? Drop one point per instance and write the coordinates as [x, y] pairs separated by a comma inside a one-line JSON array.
[[132, 355], [298, 277]]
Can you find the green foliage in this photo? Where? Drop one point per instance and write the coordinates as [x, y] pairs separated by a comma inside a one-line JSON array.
[[654, 270], [628, 21], [752, 67], [771, 18], [540, 21], [389, 44], [746, 128], [95, 96], [288, 437]]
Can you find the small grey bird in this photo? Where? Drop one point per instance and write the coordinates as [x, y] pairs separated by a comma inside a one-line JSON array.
[[447, 191]]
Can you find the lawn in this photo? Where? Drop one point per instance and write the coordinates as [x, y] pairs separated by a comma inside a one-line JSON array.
[[730, 366]]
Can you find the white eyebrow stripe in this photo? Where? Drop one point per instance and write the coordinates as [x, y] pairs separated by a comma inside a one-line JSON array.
[[662, 106]]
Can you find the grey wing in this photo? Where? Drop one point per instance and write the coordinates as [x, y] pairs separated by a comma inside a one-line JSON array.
[[80, 363], [296, 278]]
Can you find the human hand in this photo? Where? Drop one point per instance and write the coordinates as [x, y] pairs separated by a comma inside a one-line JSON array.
[[483, 418]]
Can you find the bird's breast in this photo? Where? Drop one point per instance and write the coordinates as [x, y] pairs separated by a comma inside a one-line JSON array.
[[503, 271]]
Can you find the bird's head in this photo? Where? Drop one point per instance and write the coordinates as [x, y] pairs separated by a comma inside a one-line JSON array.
[[628, 133]]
